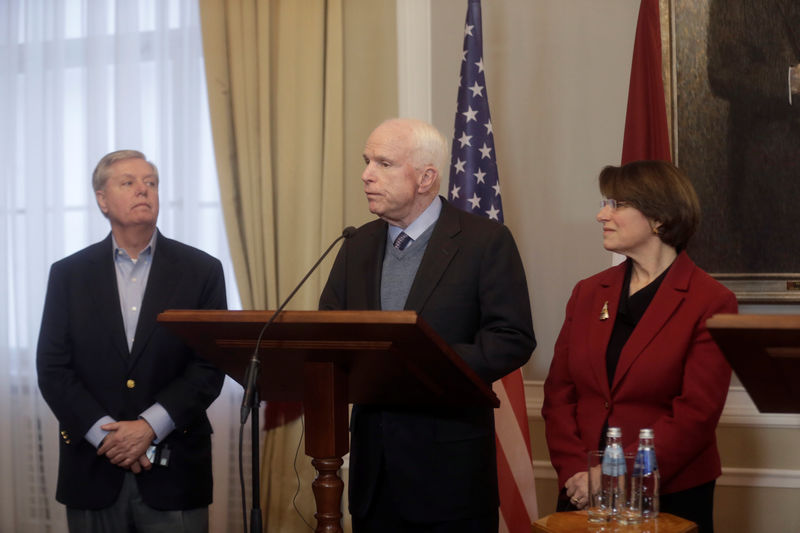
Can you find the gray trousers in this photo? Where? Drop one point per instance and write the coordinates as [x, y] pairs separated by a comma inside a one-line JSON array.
[[130, 514]]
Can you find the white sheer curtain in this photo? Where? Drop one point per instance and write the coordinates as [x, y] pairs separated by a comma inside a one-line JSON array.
[[78, 79]]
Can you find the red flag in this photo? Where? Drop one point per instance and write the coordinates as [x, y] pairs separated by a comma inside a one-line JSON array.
[[646, 131], [475, 187]]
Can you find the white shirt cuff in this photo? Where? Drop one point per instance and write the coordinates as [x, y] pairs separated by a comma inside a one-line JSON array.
[[95, 435], [159, 420]]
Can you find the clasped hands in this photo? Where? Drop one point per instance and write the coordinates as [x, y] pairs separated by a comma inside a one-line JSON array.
[[126, 444], [578, 487]]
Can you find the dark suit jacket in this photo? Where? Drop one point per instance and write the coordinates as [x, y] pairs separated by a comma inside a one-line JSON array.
[[86, 372], [471, 288], [671, 376]]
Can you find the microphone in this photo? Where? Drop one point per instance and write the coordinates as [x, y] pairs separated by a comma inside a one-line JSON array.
[[251, 376]]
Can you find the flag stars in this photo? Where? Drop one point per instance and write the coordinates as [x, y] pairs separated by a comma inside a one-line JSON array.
[[474, 184], [475, 201], [470, 114], [477, 90]]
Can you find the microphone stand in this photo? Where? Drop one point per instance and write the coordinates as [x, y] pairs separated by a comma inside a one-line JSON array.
[[250, 400]]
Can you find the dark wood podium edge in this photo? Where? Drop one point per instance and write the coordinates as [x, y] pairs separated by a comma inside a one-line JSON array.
[[764, 352], [728, 321], [326, 400], [365, 317]]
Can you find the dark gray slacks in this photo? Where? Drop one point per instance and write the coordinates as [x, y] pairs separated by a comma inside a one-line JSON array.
[[130, 514]]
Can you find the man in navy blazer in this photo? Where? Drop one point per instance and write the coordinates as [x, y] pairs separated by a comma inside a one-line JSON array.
[[130, 397], [429, 468]]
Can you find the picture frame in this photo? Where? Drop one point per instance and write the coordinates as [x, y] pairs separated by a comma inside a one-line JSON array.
[[733, 131]]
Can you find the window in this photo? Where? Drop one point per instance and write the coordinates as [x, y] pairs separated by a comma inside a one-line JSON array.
[[78, 79]]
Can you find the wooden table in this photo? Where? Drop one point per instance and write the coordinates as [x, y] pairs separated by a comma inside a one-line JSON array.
[[577, 522]]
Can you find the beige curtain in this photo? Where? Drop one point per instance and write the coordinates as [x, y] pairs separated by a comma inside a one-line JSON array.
[[276, 71], [274, 74]]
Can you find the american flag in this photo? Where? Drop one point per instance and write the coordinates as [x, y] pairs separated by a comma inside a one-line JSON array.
[[474, 187]]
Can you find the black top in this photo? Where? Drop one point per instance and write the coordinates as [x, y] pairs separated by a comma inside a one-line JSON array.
[[631, 310]]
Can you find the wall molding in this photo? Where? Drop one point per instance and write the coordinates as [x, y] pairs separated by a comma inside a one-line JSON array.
[[739, 409], [731, 477]]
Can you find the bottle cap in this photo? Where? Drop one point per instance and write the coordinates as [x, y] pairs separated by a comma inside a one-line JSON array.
[[614, 432], [646, 433]]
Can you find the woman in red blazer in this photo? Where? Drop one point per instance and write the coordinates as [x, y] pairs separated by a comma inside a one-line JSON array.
[[634, 351]]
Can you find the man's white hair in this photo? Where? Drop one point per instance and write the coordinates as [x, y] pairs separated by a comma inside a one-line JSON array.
[[429, 146]]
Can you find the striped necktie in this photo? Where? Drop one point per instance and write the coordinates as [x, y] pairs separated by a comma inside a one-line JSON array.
[[402, 241]]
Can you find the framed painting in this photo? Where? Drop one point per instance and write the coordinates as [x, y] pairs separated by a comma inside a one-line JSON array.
[[735, 130]]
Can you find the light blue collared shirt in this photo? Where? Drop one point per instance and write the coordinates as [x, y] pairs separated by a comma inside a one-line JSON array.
[[424, 221], [132, 276]]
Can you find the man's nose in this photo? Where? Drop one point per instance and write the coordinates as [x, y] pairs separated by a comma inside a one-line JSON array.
[[366, 176]]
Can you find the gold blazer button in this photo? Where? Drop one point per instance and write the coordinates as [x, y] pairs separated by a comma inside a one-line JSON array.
[[130, 384]]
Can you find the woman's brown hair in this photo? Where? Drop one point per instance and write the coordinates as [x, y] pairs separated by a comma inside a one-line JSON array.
[[661, 191]]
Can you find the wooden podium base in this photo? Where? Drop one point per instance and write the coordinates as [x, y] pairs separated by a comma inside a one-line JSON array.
[[577, 522]]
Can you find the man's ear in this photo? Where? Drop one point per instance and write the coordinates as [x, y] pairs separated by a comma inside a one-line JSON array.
[[101, 201], [428, 179]]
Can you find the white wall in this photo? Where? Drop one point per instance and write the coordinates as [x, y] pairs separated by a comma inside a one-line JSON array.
[[557, 79]]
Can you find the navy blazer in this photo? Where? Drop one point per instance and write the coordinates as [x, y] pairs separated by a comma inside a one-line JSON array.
[[471, 289], [86, 372]]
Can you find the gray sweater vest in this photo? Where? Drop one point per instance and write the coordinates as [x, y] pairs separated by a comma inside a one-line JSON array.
[[400, 269]]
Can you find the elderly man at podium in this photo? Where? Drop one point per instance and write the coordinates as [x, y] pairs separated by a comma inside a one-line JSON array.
[[429, 469]]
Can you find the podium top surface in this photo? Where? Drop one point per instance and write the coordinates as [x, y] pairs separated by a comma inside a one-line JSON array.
[[390, 357]]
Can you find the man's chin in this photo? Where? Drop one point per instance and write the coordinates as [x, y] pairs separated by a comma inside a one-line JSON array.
[[374, 208]]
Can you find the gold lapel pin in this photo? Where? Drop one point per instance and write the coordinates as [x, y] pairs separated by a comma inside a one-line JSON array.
[[604, 311]]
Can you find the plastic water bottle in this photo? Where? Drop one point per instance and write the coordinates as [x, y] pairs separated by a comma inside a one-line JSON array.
[[647, 466], [613, 478]]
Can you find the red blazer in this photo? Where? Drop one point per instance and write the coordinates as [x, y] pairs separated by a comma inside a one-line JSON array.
[[671, 376]]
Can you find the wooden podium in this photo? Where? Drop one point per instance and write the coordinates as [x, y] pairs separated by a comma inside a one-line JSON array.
[[327, 359], [764, 351]]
